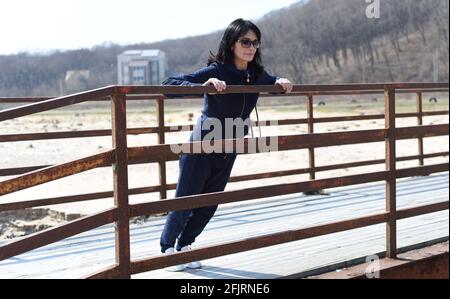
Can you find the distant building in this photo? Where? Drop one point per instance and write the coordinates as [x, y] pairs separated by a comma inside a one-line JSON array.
[[141, 67], [76, 81]]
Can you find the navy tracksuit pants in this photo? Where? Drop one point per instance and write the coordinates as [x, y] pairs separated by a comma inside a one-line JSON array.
[[199, 173]]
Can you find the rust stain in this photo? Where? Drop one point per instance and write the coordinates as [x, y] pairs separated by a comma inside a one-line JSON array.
[[124, 89]]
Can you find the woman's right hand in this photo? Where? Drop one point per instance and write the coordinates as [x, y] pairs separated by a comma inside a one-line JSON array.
[[219, 85]]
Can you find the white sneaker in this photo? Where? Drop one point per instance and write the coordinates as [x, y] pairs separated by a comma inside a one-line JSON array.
[[176, 268], [191, 265]]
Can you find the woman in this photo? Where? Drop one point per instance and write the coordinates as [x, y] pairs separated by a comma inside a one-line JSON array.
[[238, 62]]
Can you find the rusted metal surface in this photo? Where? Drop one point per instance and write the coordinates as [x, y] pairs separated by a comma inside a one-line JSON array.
[[20, 170], [391, 193], [425, 156], [362, 88], [311, 158], [120, 179], [151, 130], [420, 210], [268, 191], [56, 233], [430, 262], [24, 99], [162, 153], [143, 265], [185, 128], [421, 170], [203, 200], [55, 103], [72, 134], [161, 140], [55, 172], [355, 90], [53, 135], [416, 171], [422, 131], [108, 273], [75, 198], [426, 263], [292, 142], [375, 116], [431, 113], [53, 201]]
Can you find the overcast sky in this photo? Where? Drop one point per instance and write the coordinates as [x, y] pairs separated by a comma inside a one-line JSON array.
[[42, 25]]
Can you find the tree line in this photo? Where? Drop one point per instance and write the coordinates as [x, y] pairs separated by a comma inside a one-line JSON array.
[[315, 41]]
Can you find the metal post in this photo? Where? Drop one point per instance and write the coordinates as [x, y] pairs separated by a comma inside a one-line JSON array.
[[391, 225], [312, 164], [161, 140], [419, 123], [120, 170]]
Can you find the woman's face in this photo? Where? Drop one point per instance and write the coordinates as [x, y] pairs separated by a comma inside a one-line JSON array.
[[244, 54]]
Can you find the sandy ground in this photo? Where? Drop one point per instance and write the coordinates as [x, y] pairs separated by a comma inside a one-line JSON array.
[[49, 152]]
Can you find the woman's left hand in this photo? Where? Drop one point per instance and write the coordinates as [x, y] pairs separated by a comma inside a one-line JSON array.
[[286, 84]]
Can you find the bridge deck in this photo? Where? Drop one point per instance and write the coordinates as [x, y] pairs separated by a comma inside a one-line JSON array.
[[94, 250]]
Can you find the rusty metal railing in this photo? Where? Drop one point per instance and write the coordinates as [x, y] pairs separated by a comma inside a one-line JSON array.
[[121, 155]]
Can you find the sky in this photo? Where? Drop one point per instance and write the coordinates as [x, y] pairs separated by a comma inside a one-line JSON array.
[[39, 26]]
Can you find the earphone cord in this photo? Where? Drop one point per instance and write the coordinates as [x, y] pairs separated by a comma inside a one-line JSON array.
[[257, 121]]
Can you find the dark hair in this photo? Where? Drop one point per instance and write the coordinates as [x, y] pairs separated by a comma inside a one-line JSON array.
[[234, 31]]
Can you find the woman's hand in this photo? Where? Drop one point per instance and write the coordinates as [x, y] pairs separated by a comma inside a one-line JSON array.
[[286, 84], [219, 85]]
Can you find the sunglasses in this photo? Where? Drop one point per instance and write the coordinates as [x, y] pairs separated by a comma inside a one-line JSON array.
[[247, 43]]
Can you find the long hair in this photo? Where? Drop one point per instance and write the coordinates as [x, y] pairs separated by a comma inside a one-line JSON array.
[[234, 31]]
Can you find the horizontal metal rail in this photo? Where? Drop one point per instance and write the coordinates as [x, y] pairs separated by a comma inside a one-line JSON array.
[[14, 100], [56, 103], [55, 172], [196, 201], [188, 127], [108, 91], [148, 264], [121, 156], [240, 178], [56, 233]]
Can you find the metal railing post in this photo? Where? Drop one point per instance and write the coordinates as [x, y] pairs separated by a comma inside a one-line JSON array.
[[120, 171], [310, 111], [161, 140], [419, 123], [391, 225]]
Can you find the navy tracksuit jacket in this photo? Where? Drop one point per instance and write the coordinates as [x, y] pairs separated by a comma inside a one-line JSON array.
[[207, 173]]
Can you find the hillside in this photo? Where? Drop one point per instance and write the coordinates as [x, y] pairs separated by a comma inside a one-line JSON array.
[[309, 42]]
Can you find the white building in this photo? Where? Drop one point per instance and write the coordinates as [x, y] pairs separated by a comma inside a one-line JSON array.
[[141, 67]]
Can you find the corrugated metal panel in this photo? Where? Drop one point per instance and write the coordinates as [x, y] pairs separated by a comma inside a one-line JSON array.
[[91, 251]]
